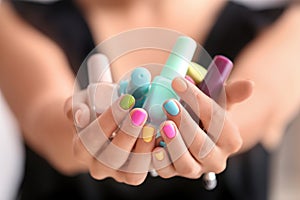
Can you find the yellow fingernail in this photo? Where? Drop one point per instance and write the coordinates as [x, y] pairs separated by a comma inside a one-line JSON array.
[[148, 133], [159, 155]]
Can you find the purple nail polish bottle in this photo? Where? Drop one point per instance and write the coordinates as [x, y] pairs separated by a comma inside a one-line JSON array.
[[217, 73]]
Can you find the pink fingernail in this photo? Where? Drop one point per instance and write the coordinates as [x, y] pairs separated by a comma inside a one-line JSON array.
[[138, 117], [190, 79], [169, 130]]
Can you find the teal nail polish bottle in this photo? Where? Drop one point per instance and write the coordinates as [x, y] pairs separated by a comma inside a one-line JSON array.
[[137, 85]]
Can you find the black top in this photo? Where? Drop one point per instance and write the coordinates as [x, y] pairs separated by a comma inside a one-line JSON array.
[[246, 176]]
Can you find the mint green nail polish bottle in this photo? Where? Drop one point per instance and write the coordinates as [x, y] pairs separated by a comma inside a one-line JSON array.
[[161, 89]]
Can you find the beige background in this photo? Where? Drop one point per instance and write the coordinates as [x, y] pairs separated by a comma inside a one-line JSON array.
[[285, 181]]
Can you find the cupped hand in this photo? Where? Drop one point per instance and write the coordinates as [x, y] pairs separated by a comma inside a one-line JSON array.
[[110, 145], [194, 147]]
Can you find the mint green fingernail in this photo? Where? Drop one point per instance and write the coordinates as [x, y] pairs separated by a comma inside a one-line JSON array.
[[127, 101], [171, 107]]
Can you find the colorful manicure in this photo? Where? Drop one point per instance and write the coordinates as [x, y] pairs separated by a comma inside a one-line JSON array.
[[127, 101], [147, 133], [138, 117], [169, 130], [159, 155], [171, 107]]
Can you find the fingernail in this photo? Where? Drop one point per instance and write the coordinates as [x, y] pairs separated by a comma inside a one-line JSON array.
[[190, 79], [147, 133], [82, 118], [171, 107], [77, 117], [127, 101], [169, 130], [162, 144], [138, 117], [159, 155], [180, 84]]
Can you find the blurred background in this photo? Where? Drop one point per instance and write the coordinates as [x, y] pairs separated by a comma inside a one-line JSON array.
[[11, 153], [285, 181]]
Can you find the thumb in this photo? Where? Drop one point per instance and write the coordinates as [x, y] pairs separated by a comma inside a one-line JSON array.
[[77, 110], [238, 91]]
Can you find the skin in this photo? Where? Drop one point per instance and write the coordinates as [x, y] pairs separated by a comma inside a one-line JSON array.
[[281, 65], [43, 98], [186, 164], [37, 93]]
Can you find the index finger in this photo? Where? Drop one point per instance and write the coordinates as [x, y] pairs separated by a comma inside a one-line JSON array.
[[202, 105]]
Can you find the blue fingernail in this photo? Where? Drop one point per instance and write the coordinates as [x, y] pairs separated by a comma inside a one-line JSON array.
[[162, 144], [171, 107]]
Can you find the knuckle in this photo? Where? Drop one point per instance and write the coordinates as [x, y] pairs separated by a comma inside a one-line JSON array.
[[165, 175], [235, 143], [238, 144], [220, 167], [96, 174], [119, 179], [134, 179], [189, 171]]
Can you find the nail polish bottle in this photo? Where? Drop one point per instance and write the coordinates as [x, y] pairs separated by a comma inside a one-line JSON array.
[[161, 89], [217, 74], [137, 85], [99, 71]]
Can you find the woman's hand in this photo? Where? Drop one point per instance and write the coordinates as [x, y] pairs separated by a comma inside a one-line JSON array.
[[192, 150], [110, 145]]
